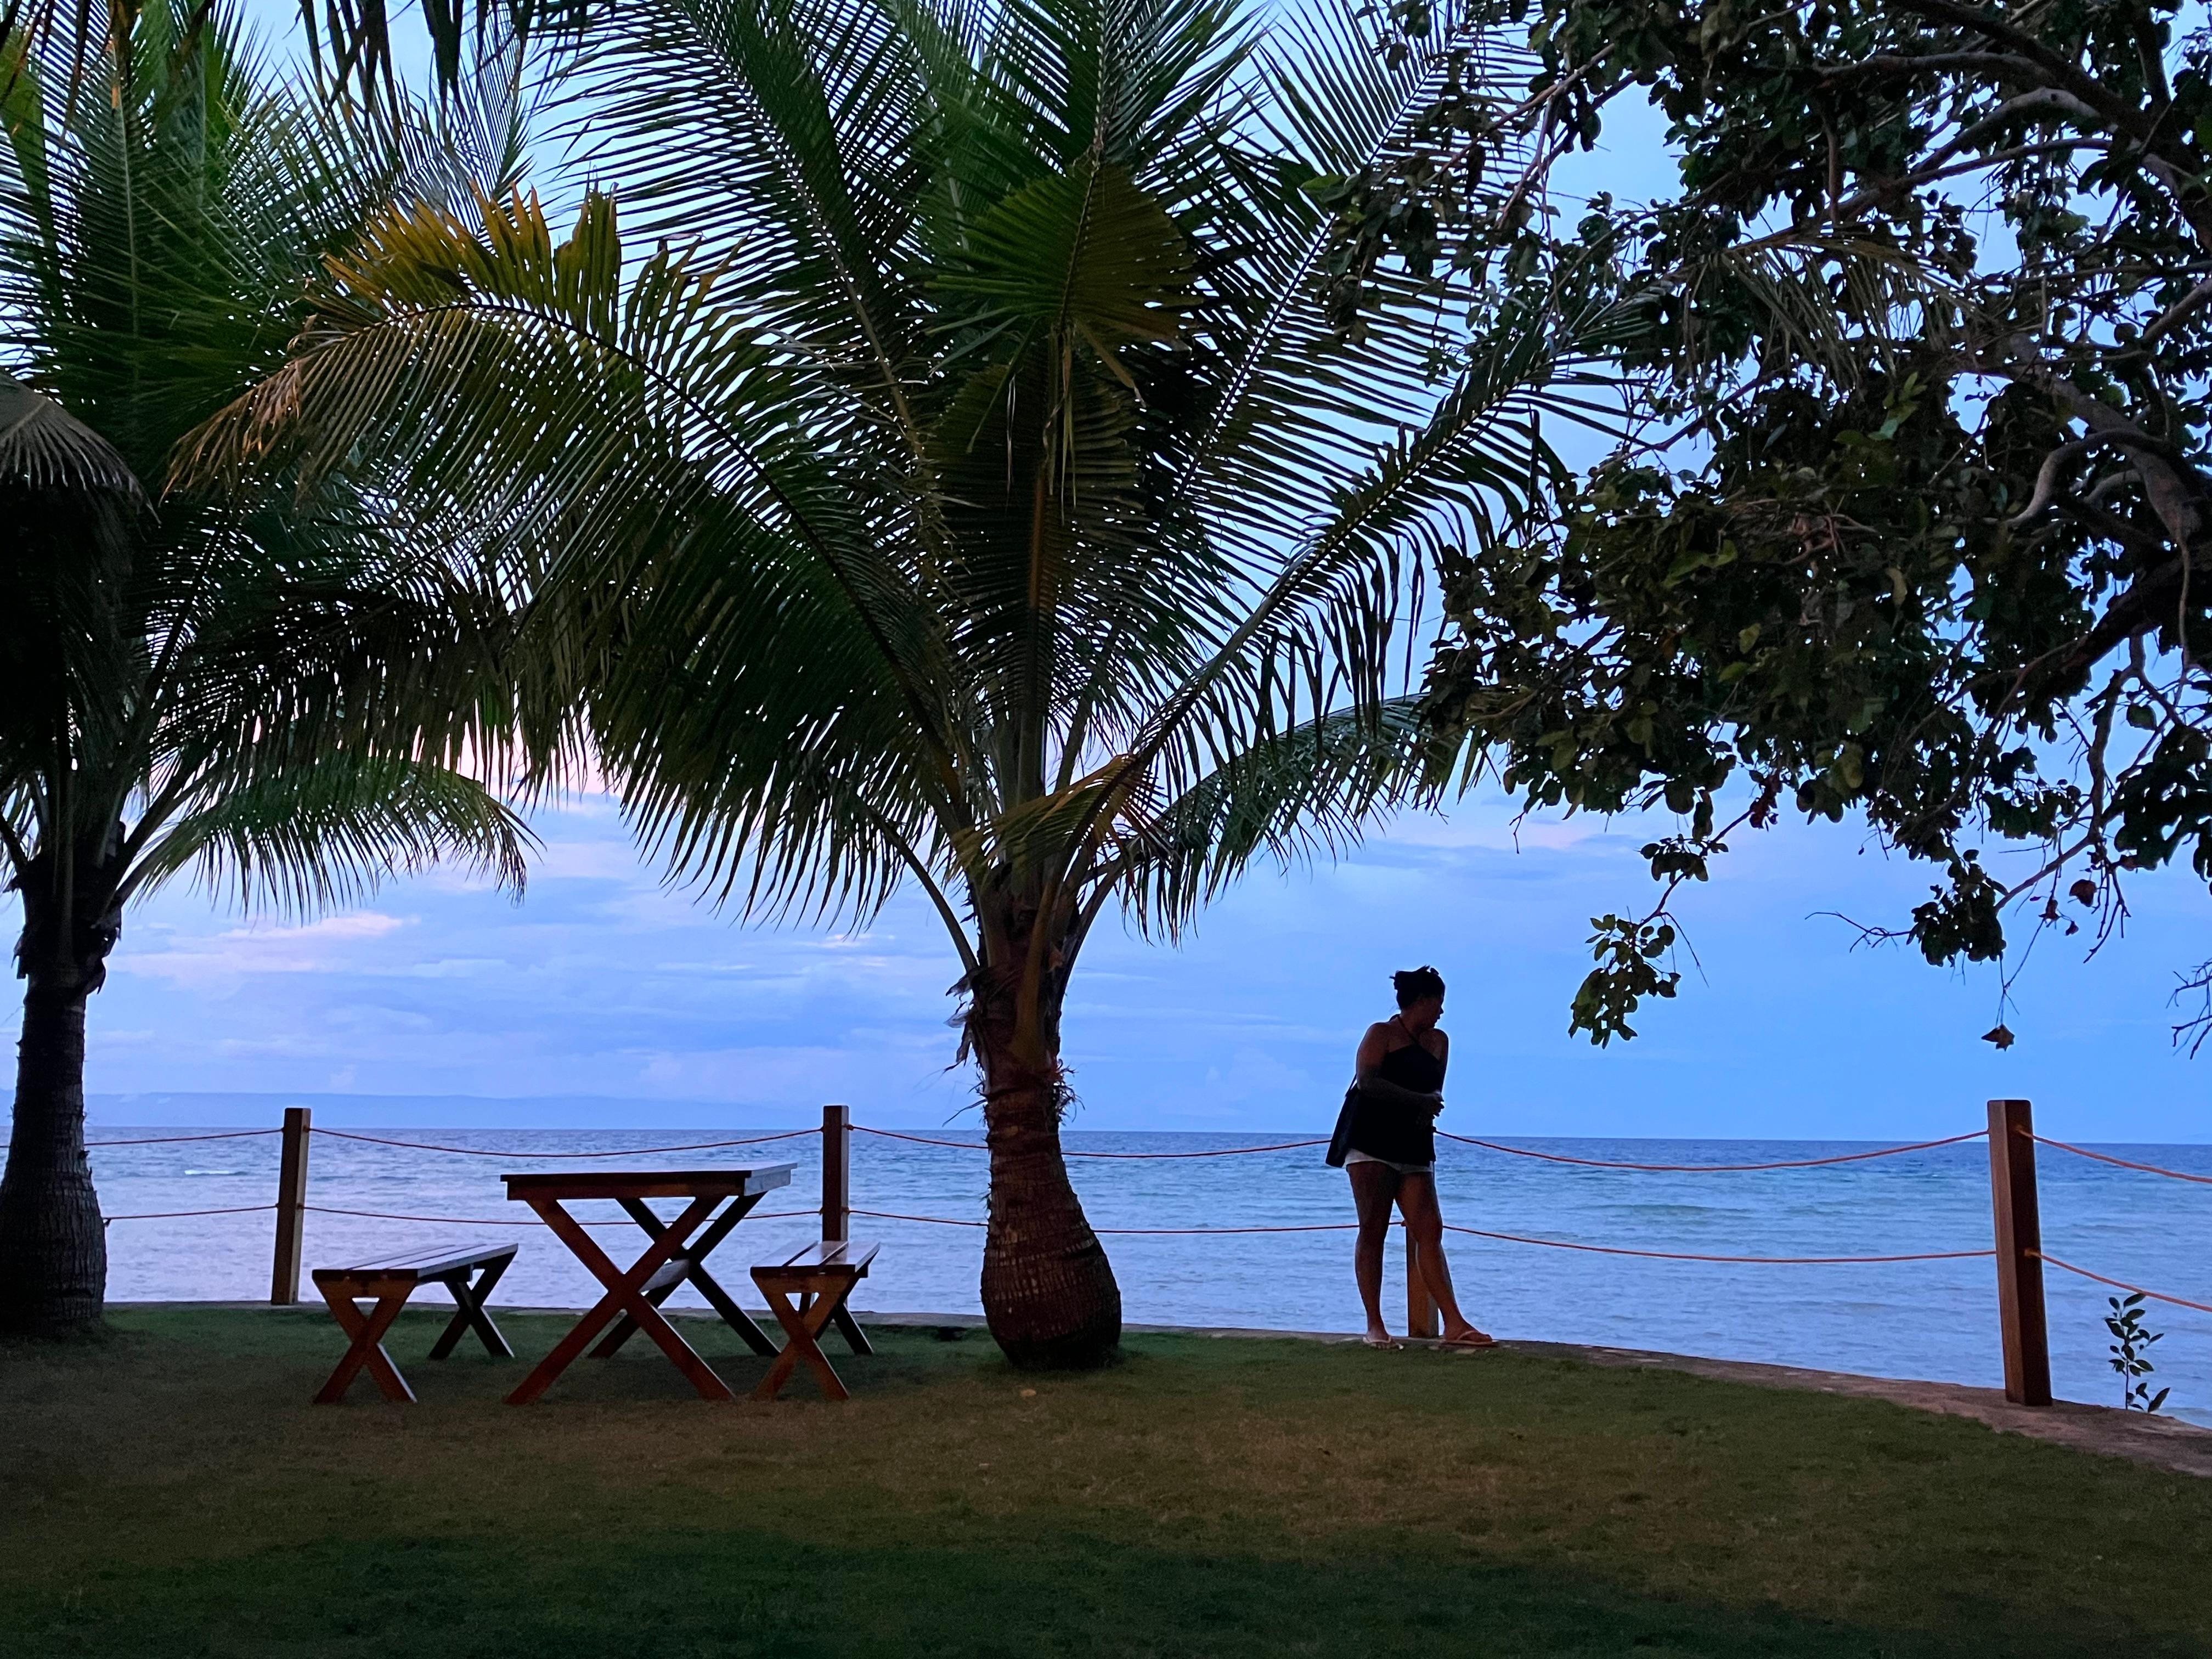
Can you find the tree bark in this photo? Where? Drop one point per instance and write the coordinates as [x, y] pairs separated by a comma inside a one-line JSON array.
[[1049, 1295], [53, 1246]]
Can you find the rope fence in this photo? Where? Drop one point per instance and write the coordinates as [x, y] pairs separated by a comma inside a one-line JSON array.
[[504, 1221], [1212, 1152], [1478, 1233], [974, 1147], [2018, 1250], [2122, 1285], [1713, 1168], [617, 1152], [2125, 1163]]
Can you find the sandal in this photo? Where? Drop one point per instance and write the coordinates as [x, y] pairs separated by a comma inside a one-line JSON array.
[[1383, 1344], [1474, 1341]]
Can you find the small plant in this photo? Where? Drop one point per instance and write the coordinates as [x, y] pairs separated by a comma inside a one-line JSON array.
[[2130, 1343]]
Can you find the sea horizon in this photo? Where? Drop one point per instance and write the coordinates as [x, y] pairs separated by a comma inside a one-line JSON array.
[[170, 1110]]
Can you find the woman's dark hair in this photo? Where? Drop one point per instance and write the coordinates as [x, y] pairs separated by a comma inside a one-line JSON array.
[[1417, 985]]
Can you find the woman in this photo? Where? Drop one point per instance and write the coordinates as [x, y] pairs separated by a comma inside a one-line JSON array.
[[1385, 1141]]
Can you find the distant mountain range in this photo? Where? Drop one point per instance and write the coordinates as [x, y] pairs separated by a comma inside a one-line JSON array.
[[242, 1111]]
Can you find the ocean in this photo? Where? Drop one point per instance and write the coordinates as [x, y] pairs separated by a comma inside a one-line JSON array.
[[1911, 1319]]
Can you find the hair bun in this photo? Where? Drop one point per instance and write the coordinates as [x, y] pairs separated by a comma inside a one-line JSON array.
[[1415, 985]]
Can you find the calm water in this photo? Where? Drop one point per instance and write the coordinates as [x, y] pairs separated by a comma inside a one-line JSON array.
[[1930, 1319]]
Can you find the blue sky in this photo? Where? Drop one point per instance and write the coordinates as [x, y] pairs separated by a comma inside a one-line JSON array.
[[602, 983], [605, 998]]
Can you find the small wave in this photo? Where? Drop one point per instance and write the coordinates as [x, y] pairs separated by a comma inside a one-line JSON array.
[[214, 1172]]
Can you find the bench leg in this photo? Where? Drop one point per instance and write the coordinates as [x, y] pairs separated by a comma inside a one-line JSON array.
[[849, 1328], [821, 1297], [366, 1331], [469, 1299]]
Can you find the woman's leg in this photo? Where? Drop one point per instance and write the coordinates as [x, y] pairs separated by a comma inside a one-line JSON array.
[[1424, 1227], [1373, 1187]]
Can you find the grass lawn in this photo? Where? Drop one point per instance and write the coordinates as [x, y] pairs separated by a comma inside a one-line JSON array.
[[170, 1492]]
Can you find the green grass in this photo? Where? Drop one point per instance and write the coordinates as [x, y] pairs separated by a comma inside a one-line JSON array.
[[169, 1491]]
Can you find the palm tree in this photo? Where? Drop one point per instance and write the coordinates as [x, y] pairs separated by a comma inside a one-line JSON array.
[[271, 693], [970, 491]]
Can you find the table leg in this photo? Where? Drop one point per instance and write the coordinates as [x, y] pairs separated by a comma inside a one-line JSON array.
[[471, 1288], [718, 1299], [623, 1293], [849, 1328], [732, 1315], [368, 1345], [653, 1226]]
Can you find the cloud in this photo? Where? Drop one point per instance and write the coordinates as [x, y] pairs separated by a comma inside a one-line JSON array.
[[569, 860], [315, 947], [358, 924]]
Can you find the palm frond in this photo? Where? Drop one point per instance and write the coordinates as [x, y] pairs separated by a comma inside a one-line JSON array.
[[329, 831], [45, 448], [1286, 797]]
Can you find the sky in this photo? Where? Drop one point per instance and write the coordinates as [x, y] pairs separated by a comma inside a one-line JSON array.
[[605, 998]]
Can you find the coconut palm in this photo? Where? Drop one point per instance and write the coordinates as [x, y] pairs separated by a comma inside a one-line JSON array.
[[968, 491], [270, 692]]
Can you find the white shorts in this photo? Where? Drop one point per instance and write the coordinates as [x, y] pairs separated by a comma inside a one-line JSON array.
[[1357, 1156]]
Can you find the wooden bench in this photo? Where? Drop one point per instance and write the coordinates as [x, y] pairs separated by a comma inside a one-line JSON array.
[[468, 1272], [806, 1291]]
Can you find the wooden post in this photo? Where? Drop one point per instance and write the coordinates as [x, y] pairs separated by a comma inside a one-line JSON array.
[[2026, 1339], [1420, 1310], [291, 1208], [836, 1172]]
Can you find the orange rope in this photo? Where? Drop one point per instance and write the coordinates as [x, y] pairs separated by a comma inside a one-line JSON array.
[[1315, 1227], [171, 1140], [171, 1215], [1752, 1260], [1221, 1152], [619, 1151], [947, 1221], [976, 1146], [2104, 1157], [1512, 1238], [2121, 1284], [939, 1220], [501, 1221], [1714, 1168]]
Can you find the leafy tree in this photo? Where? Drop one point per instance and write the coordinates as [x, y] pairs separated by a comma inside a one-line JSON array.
[[271, 693], [978, 499], [1914, 362]]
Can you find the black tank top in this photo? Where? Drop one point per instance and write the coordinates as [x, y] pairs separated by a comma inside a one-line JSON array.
[[1394, 1133], [1414, 1067]]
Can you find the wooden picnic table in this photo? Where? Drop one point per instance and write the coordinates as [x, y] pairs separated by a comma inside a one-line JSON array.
[[677, 1252]]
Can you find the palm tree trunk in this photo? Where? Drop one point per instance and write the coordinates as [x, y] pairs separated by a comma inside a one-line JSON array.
[[1048, 1290], [53, 1246]]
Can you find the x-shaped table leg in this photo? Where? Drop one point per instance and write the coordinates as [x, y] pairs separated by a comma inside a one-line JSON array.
[[366, 1331], [819, 1299], [625, 1294], [469, 1299], [694, 1262]]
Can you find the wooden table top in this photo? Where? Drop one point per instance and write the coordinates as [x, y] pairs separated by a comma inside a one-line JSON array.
[[651, 1183]]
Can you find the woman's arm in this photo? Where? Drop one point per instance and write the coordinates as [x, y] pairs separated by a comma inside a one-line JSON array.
[[1368, 1071]]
